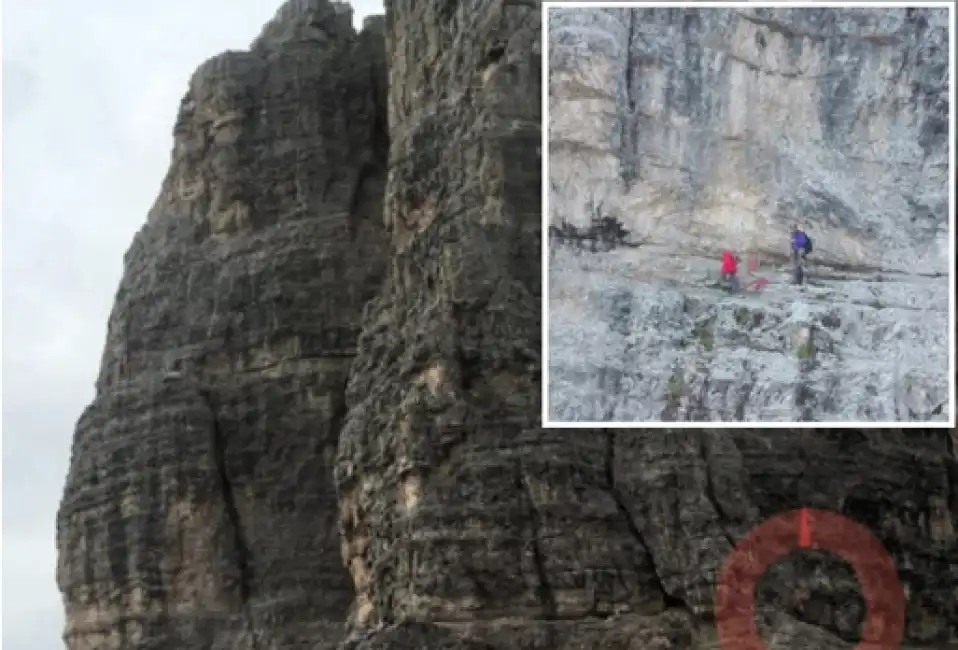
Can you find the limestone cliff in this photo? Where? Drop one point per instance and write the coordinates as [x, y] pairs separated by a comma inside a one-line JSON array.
[[198, 508], [726, 125], [246, 480], [705, 129]]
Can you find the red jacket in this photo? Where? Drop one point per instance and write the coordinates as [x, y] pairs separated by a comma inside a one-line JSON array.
[[729, 265]]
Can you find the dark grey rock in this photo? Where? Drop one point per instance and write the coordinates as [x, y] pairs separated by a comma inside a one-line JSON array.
[[199, 510]]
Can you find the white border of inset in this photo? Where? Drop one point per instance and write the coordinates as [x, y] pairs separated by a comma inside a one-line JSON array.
[[546, 423]]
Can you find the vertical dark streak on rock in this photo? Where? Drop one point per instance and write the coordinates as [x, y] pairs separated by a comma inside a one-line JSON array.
[[630, 127], [380, 131], [338, 417], [328, 185], [744, 393], [667, 598], [670, 410], [544, 590], [698, 411], [365, 171], [804, 396], [241, 547], [630, 61], [710, 493]]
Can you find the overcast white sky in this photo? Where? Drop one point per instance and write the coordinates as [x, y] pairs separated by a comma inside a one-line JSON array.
[[90, 92]]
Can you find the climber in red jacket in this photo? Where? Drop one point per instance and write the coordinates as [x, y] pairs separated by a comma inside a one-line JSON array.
[[728, 273]]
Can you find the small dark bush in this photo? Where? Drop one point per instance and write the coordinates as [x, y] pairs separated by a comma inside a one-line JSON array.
[[604, 233]]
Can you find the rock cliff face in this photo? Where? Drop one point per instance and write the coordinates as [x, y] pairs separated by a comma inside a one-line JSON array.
[[722, 126], [199, 507], [246, 479], [706, 129]]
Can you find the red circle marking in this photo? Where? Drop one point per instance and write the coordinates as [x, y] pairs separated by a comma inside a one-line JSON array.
[[775, 538]]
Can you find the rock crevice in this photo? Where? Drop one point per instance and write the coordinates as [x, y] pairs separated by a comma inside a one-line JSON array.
[[241, 548]]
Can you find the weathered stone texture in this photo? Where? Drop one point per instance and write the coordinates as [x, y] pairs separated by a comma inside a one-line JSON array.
[[641, 336], [705, 129], [445, 379], [211, 510], [199, 509], [718, 127], [465, 525]]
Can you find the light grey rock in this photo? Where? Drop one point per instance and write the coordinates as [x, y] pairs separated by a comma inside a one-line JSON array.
[[722, 126], [702, 129], [641, 336]]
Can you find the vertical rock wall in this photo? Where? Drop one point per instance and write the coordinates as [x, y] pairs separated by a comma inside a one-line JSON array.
[[589, 120], [445, 381], [466, 525], [711, 129], [728, 124], [199, 510]]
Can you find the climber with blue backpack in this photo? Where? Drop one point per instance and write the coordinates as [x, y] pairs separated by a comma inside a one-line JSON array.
[[801, 247]]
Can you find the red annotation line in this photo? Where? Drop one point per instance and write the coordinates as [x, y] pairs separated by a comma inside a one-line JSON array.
[[804, 531]]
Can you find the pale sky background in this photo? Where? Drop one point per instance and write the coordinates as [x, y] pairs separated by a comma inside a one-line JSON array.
[[90, 93]]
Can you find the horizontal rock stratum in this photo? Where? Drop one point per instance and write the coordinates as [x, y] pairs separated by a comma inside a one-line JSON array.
[[200, 510], [317, 422]]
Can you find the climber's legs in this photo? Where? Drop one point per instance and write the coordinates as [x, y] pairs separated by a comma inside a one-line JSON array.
[[798, 266], [729, 281], [798, 272]]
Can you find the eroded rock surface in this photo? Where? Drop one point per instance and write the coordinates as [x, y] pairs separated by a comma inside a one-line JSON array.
[[645, 336], [709, 129], [466, 525], [198, 511], [722, 126]]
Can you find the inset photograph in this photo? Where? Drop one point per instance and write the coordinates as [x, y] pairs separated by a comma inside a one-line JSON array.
[[749, 216]]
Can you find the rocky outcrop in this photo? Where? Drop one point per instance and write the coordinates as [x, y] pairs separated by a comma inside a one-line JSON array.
[[198, 511], [210, 510], [705, 129]]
